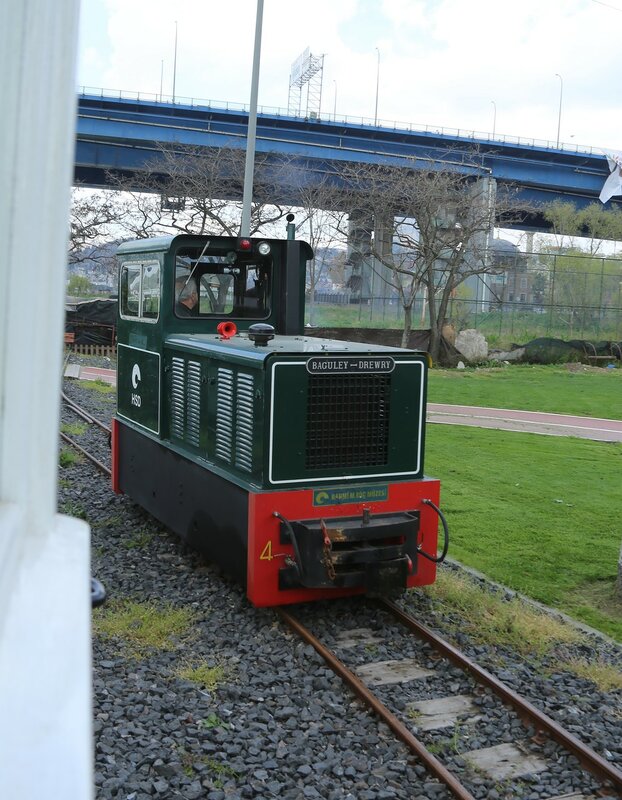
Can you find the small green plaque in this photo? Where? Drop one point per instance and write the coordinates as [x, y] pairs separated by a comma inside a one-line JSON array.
[[350, 494], [138, 386]]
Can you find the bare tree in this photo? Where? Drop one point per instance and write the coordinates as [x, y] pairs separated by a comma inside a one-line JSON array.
[[94, 226], [94, 219], [318, 198], [196, 190], [437, 218]]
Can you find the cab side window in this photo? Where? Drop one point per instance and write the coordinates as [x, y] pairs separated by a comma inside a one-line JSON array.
[[139, 290]]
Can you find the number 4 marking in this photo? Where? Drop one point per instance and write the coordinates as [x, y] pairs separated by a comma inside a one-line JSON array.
[[266, 553]]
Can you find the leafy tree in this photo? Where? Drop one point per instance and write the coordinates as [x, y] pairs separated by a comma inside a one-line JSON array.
[[79, 286], [580, 286], [539, 285], [582, 282], [575, 286], [593, 223]]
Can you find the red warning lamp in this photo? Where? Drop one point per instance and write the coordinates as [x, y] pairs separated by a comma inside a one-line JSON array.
[[245, 244]]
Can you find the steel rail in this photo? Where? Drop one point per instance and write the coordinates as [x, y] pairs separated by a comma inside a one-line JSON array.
[[102, 467], [432, 764], [593, 762], [84, 414]]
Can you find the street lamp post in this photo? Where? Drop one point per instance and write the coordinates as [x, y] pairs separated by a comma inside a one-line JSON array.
[[335, 103], [494, 118], [377, 87], [249, 167], [559, 116], [175, 62]]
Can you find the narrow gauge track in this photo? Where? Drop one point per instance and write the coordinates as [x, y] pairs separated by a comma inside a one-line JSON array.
[[543, 724], [91, 420], [529, 714]]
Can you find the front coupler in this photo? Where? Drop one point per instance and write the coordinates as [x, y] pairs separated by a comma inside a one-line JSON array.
[[376, 553]]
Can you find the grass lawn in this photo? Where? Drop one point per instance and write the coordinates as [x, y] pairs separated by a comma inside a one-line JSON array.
[[540, 514], [588, 391]]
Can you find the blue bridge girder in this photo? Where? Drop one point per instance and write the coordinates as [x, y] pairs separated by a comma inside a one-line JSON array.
[[123, 135]]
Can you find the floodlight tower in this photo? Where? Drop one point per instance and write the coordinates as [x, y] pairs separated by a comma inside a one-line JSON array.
[[307, 70]]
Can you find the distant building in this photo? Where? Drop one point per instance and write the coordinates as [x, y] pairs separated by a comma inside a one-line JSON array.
[[512, 281]]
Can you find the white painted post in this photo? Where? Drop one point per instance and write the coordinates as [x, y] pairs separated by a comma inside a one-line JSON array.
[[45, 694]]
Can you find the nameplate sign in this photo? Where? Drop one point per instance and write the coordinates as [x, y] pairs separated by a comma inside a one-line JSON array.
[[335, 365]]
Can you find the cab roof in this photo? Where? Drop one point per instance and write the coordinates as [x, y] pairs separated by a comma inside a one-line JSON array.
[[159, 244], [163, 244]]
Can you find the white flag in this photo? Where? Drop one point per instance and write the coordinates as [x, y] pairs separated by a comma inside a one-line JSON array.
[[613, 184]]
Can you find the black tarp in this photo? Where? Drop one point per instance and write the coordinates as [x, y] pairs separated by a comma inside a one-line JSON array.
[[554, 351], [92, 321]]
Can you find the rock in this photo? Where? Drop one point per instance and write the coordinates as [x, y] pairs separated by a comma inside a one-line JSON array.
[[472, 345], [508, 356]]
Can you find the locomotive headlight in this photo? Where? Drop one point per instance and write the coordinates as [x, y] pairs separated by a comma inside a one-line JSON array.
[[263, 248]]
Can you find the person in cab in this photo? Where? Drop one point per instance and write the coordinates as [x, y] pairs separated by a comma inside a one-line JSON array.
[[187, 297]]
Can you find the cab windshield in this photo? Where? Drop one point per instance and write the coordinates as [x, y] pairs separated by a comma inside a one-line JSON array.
[[221, 285]]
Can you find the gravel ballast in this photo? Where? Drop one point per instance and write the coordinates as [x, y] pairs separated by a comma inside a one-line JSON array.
[[280, 723]]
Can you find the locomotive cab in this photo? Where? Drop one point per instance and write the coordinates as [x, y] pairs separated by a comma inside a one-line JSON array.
[[237, 279], [296, 463]]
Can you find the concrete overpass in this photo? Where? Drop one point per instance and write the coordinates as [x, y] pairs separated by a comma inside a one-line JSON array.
[[123, 133]]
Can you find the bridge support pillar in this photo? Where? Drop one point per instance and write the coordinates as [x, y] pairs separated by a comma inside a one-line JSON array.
[[484, 194], [382, 276], [369, 240], [359, 254]]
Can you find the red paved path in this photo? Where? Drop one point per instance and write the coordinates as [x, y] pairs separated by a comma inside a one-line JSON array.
[[97, 373], [604, 430]]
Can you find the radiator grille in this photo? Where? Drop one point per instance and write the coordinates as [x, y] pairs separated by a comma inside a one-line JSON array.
[[347, 421]]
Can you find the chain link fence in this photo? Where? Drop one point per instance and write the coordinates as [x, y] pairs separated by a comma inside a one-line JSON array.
[[528, 295]]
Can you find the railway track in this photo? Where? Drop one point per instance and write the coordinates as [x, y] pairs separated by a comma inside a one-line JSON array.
[[72, 408], [459, 783], [512, 760]]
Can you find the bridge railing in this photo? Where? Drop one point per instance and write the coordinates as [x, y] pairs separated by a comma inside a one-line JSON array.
[[226, 105]]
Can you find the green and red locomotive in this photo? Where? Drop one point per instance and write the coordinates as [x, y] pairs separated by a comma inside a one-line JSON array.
[[293, 462]]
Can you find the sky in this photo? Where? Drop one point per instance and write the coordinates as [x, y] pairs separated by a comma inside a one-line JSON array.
[[481, 65]]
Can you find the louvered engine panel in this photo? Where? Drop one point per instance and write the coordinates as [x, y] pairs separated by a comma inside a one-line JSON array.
[[244, 423], [224, 414], [178, 398], [193, 402]]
